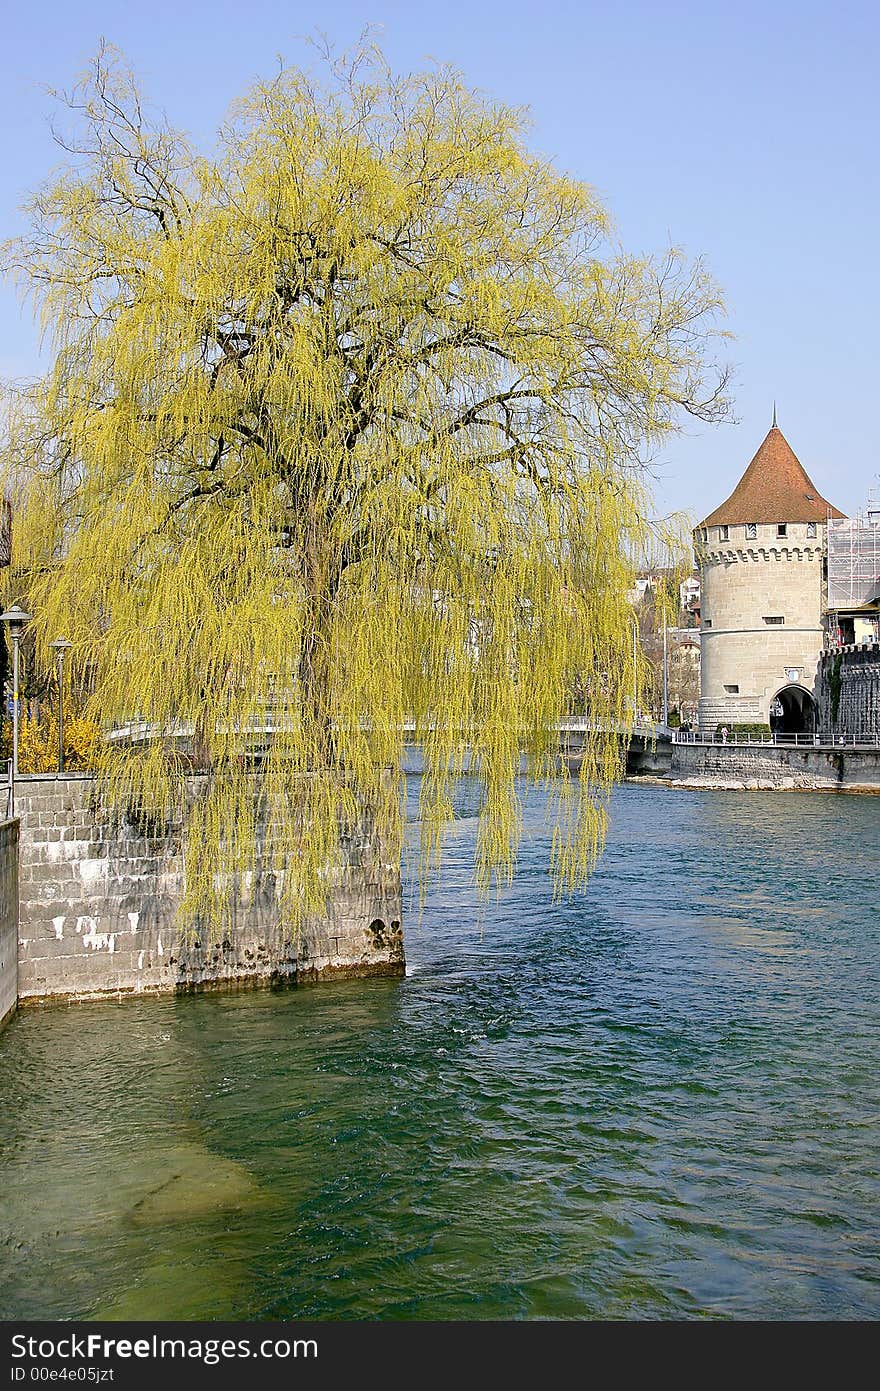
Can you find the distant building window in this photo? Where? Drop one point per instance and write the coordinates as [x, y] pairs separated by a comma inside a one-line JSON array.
[[732, 690], [724, 533], [707, 623], [751, 531], [811, 528], [775, 619], [782, 528]]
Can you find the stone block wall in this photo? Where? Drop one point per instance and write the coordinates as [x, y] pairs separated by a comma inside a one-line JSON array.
[[99, 897], [8, 919], [858, 708], [755, 767], [744, 660]]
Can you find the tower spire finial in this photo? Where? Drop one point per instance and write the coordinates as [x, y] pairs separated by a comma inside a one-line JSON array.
[[774, 426]]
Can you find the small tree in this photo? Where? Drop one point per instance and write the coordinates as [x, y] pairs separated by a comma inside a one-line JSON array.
[[346, 417], [658, 607]]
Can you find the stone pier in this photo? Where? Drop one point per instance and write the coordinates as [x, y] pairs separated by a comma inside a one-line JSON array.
[[98, 906]]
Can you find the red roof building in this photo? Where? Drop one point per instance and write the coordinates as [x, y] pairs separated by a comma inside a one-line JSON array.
[[774, 488]]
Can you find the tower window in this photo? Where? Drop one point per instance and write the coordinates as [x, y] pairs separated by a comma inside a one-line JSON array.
[[724, 533], [811, 528], [775, 619], [732, 690], [751, 531], [782, 528], [707, 623]]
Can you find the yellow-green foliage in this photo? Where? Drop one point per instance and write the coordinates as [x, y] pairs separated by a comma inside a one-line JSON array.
[[345, 418], [38, 743]]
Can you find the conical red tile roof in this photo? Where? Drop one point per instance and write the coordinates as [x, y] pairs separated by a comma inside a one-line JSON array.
[[774, 488]]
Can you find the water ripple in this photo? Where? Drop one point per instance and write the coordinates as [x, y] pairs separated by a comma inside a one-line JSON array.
[[658, 1100]]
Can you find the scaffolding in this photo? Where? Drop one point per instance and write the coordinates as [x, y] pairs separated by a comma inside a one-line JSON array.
[[854, 559]]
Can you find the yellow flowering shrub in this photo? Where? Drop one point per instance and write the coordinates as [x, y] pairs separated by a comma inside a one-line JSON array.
[[38, 743]]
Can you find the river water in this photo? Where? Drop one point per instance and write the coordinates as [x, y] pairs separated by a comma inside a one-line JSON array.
[[661, 1099]]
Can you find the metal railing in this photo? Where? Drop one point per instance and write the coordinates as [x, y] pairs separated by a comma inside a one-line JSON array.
[[825, 739]]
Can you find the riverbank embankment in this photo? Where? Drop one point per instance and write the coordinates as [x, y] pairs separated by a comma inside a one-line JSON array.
[[98, 896], [767, 767], [8, 919]]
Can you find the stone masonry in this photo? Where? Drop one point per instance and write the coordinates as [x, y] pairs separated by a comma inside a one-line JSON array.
[[745, 659], [8, 919], [857, 670], [99, 897], [775, 766]]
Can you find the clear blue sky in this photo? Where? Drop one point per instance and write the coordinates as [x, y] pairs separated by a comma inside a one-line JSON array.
[[745, 132]]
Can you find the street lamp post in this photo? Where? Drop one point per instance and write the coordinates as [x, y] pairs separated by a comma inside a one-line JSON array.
[[17, 620], [665, 676], [60, 646], [635, 696]]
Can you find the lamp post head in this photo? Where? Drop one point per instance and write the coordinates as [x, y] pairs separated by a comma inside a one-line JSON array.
[[61, 645], [17, 620]]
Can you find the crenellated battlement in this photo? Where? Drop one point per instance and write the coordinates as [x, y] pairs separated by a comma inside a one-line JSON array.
[[729, 555]]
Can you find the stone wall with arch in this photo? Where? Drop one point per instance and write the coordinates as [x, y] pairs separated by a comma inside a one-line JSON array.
[[746, 659]]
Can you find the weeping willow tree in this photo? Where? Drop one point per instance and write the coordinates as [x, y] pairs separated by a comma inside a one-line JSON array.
[[342, 443]]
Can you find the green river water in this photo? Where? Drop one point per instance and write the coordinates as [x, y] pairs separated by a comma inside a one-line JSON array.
[[661, 1099]]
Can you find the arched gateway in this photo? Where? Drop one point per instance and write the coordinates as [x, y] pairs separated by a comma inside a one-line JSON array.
[[792, 711]]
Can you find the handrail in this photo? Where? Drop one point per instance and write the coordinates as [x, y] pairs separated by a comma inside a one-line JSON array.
[[819, 739]]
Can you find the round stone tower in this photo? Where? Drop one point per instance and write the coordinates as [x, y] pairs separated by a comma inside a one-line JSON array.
[[762, 568]]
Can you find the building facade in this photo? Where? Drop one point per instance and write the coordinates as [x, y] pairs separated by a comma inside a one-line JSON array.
[[762, 557]]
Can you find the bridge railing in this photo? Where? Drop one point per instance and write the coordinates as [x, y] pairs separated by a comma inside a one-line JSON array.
[[817, 739]]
